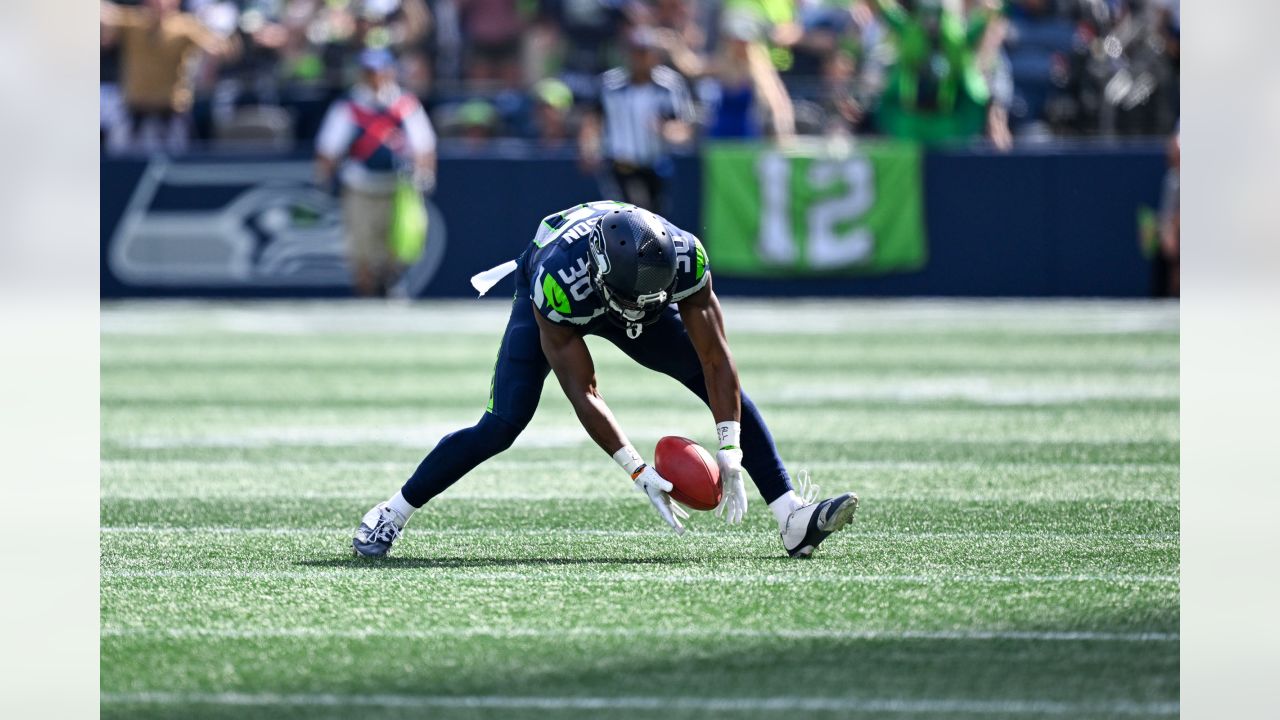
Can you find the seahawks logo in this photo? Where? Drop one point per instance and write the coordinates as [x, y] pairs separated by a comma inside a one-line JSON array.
[[555, 295], [598, 254]]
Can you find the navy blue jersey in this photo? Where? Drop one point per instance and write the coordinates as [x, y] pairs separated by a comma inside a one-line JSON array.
[[557, 266]]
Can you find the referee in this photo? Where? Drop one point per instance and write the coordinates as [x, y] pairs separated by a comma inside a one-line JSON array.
[[641, 110]]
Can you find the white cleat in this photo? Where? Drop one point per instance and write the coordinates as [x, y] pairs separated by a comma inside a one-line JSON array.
[[379, 528], [809, 525]]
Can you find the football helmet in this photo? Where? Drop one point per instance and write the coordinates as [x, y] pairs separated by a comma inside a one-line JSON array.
[[632, 265]]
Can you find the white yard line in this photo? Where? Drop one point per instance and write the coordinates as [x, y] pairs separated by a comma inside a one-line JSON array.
[[523, 465], [356, 436], [588, 532], [365, 498], [325, 532], [827, 317], [987, 391], [593, 575], [236, 478], [682, 632], [941, 706], [421, 436]]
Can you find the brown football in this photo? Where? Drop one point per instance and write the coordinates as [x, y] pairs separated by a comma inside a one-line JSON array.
[[691, 469]]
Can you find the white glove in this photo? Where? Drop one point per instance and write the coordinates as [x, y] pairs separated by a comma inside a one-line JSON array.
[[652, 484], [733, 504]]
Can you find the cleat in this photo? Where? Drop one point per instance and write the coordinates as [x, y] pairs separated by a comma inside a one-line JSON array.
[[809, 525], [378, 529]]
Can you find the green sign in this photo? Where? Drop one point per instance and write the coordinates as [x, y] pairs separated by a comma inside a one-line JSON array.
[[812, 210]]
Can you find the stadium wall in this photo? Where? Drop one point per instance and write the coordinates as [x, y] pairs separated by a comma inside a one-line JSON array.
[[1052, 222]]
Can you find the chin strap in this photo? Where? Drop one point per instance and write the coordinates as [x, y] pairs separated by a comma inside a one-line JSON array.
[[634, 329]]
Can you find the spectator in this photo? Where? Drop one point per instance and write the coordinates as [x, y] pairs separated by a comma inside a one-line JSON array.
[[643, 108], [477, 121], [951, 77], [680, 36], [994, 65], [780, 17], [402, 26], [842, 110], [744, 82], [1138, 97], [824, 26], [372, 133], [1123, 73], [588, 32], [936, 93], [552, 103], [492, 29], [158, 45]]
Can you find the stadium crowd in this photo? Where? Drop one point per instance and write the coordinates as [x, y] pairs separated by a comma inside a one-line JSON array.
[[530, 71]]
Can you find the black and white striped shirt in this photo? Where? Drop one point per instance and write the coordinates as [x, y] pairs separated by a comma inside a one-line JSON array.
[[633, 113]]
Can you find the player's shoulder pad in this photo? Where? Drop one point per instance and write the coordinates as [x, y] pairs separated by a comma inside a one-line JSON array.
[[693, 270], [561, 289]]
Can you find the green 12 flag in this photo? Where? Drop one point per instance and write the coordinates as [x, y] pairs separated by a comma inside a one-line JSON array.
[[811, 211]]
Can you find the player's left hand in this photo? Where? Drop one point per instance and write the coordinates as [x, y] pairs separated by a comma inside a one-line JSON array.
[[733, 505]]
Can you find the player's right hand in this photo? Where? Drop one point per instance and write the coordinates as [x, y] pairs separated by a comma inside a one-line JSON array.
[[733, 506], [649, 482]]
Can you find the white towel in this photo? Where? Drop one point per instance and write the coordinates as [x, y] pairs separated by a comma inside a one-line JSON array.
[[484, 281]]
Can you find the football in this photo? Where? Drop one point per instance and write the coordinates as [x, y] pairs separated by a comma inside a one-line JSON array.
[[691, 469]]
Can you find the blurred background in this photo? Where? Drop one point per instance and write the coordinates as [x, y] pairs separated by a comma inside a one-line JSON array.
[[329, 148]]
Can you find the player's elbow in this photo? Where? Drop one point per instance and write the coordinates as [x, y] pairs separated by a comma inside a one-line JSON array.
[[589, 395]]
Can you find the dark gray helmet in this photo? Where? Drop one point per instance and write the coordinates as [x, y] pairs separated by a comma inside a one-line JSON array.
[[632, 264]]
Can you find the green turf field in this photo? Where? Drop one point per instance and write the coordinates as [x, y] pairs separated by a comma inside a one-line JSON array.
[[1015, 555]]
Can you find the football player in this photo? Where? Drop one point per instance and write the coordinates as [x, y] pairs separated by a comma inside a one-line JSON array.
[[627, 275]]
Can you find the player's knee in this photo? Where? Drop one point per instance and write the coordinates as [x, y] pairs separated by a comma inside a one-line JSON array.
[[497, 434]]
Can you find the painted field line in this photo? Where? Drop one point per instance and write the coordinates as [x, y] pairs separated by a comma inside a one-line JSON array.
[[586, 532], [417, 437], [559, 633], [591, 575], [977, 390], [301, 437], [942, 706], [364, 498], [523, 465]]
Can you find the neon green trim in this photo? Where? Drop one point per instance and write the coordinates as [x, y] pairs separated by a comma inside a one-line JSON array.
[[702, 259], [493, 381]]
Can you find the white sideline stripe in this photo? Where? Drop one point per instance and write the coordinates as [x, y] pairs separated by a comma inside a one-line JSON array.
[[599, 495], [523, 465], [596, 578], [402, 438], [945, 706], [827, 317], [802, 634], [979, 390], [702, 537], [418, 437]]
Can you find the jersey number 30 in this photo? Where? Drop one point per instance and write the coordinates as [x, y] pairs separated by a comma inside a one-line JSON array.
[[576, 279]]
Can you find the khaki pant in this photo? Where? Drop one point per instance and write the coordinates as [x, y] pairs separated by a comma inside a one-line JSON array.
[[366, 219]]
